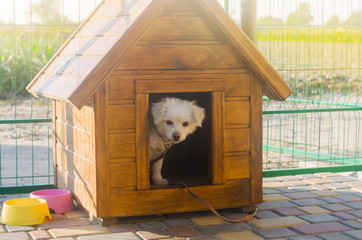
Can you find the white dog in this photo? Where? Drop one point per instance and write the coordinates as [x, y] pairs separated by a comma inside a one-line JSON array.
[[171, 120]]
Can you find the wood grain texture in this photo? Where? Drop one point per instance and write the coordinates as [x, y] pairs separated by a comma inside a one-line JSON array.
[[218, 137], [120, 87], [237, 114], [237, 85], [178, 6], [122, 175], [102, 140], [237, 140], [181, 57], [122, 145], [178, 28], [121, 118], [179, 85], [172, 200], [237, 167], [256, 127], [75, 153], [142, 156]]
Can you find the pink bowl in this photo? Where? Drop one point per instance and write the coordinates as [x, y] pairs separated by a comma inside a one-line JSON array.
[[60, 200]]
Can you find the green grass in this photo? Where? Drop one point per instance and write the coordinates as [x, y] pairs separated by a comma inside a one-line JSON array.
[[316, 50], [22, 55], [312, 34]]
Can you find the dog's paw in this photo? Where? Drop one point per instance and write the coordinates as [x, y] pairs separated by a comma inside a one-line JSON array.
[[160, 181]]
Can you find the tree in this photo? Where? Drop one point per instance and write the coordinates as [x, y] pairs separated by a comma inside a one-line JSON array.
[[333, 21], [301, 16], [355, 19], [270, 21]]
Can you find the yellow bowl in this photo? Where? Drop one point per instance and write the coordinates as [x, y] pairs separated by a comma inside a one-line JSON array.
[[25, 211]]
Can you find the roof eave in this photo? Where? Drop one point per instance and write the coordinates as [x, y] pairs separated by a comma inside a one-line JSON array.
[[274, 86]]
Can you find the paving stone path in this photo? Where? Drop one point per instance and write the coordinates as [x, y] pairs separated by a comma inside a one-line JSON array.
[[312, 206]]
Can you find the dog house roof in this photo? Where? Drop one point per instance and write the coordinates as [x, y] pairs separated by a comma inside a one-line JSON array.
[[103, 40]]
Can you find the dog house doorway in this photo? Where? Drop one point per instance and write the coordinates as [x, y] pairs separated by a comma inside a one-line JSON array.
[[190, 161], [199, 159]]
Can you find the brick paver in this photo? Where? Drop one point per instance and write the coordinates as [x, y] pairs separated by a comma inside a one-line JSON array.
[[356, 234], [320, 228], [308, 207], [65, 223], [14, 236], [276, 233], [223, 228], [300, 195], [277, 222], [336, 207], [207, 220], [274, 185], [334, 236], [349, 198], [40, 235], [245, 235], [316, 181], [290, 211], [276, 204], [353, 224], [274, 197], [11, 228], [325, 193], [344, 216], [124, 228], [115, 236], [183, 232], [76, 214], [78, 231], [313, 210], [319, 218], [148, 235], [308, 202]]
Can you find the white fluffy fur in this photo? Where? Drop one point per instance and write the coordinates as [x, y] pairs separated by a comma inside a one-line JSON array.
[[172, 120]]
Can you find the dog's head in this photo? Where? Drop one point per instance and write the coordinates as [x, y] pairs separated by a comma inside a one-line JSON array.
[[176, 118]]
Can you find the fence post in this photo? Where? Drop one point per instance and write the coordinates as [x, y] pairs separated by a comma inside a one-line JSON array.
[[248, 18]]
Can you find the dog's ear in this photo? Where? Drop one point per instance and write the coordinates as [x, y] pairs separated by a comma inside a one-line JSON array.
[[158, 110], [199, 114]]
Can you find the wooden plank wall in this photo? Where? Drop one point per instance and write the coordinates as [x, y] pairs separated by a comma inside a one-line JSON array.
[[120, 132], [75, 152], [180, 39], [237, 126]]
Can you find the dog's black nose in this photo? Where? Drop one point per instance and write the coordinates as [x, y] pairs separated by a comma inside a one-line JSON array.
[[176, 136]]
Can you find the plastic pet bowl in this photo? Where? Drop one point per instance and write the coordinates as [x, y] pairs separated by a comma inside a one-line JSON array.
[[60, 200], [25, 211]]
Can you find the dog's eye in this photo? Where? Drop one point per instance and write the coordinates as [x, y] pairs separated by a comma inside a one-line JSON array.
[[168, 122], [185, 124]]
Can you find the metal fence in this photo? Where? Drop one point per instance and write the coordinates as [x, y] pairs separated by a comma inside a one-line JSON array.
[[315, 45], [30, 33], [317, 48]]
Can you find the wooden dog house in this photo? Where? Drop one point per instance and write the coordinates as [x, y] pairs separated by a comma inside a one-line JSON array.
[[129, 53]]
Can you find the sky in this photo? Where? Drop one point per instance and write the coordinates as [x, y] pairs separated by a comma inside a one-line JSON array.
[[19, 10]]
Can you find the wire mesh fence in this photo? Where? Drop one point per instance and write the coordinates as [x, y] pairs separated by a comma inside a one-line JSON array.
[[317, 48], [315, 45], [31, 31]]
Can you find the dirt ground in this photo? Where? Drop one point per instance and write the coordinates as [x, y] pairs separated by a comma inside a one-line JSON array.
[[26, 156]]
